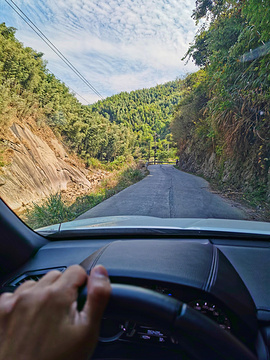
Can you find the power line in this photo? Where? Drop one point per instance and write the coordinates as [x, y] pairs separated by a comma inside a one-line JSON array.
[[52, 46], [87, 102]]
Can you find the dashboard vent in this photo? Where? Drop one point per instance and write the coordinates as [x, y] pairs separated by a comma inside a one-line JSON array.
[[32, 275]]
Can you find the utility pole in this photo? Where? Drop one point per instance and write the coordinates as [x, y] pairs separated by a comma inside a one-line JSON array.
[[155, 149]]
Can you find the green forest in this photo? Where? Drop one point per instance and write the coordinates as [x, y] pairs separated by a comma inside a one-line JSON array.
[[148, 113], [215, 120]]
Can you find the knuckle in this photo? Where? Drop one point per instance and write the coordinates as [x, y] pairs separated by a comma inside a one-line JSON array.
[[6, 302], [68, 294], [47, 295], [76, 268], [39, 296], [4, 296], [55, 296], [23, 296], [53, 273], [102, 291], [25, 285], [21, 301]]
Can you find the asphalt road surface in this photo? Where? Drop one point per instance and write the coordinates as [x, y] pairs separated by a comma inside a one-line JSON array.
[[167, 193]]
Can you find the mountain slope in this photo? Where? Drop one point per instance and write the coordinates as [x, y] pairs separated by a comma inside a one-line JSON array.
[[222, 124], [146, 112]]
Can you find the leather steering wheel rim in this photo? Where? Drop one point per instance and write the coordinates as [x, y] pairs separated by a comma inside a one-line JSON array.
[[200, 337]]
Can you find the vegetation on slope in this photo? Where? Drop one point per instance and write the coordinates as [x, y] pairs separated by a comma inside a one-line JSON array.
[[117, 126], [222, 122], [29, 90], [146, 112]]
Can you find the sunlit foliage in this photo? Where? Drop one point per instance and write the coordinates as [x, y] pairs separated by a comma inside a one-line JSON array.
[[227, 113], [146, 112]]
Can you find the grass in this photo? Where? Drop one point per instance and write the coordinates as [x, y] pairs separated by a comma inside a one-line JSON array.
[[55, 210], [52, 211]]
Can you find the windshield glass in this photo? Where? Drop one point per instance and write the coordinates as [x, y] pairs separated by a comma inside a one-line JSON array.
[[135, 108]]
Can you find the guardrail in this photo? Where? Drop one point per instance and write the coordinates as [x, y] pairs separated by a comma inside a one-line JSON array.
[[158, 162]]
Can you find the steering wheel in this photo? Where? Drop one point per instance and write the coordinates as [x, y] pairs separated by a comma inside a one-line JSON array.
[[197, 335]]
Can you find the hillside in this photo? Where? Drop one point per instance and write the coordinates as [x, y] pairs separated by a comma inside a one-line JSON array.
[[222, 124], [28, 89], [47, 138], [49, 142], [39, 165], [146, 112]]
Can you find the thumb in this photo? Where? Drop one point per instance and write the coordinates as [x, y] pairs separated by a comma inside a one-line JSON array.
[[98, 294]]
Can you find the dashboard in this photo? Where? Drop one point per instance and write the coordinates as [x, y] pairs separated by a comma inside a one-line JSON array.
[[132, 332], [226, 281]]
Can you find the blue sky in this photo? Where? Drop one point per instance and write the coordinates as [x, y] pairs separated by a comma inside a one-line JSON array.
[[118, 45]]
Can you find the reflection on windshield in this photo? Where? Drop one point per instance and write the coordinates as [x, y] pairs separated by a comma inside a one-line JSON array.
[[197, 145]]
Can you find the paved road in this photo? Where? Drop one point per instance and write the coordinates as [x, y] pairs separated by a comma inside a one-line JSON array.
[[167, 193]]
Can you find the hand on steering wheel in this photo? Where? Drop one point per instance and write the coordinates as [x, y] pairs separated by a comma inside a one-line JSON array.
[[40, 319]]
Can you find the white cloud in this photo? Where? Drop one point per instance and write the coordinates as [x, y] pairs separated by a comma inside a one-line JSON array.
[[118, 45]]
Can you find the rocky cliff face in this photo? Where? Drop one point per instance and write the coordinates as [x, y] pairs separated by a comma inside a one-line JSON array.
[[39, 166], [238, 175]]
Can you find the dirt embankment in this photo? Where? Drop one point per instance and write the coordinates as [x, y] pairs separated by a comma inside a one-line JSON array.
[[38, 165]]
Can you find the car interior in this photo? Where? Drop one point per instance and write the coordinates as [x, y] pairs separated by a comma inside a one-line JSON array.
[[190, 296]]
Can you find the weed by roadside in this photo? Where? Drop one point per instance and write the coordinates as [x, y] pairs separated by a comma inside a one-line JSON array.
[[53, 208]]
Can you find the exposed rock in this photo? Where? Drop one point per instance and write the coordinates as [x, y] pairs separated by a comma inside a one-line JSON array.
[[36, 170], [2, 181]]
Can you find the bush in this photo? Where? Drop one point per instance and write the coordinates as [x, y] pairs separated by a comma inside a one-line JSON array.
[[93, 163], [52, 211]]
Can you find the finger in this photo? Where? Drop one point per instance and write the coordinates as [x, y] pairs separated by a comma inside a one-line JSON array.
[[74, 277], [49, 278], [7, 301], [25, 286], [73, 312], [5, 296], [99, 290]]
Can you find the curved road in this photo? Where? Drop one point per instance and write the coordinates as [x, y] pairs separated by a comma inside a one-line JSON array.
[[167, 193]]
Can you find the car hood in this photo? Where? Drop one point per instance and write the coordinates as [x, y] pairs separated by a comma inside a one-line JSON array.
[[158, 225]]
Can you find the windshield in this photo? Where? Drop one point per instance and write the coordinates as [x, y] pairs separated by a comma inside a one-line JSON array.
[[135, 108]]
